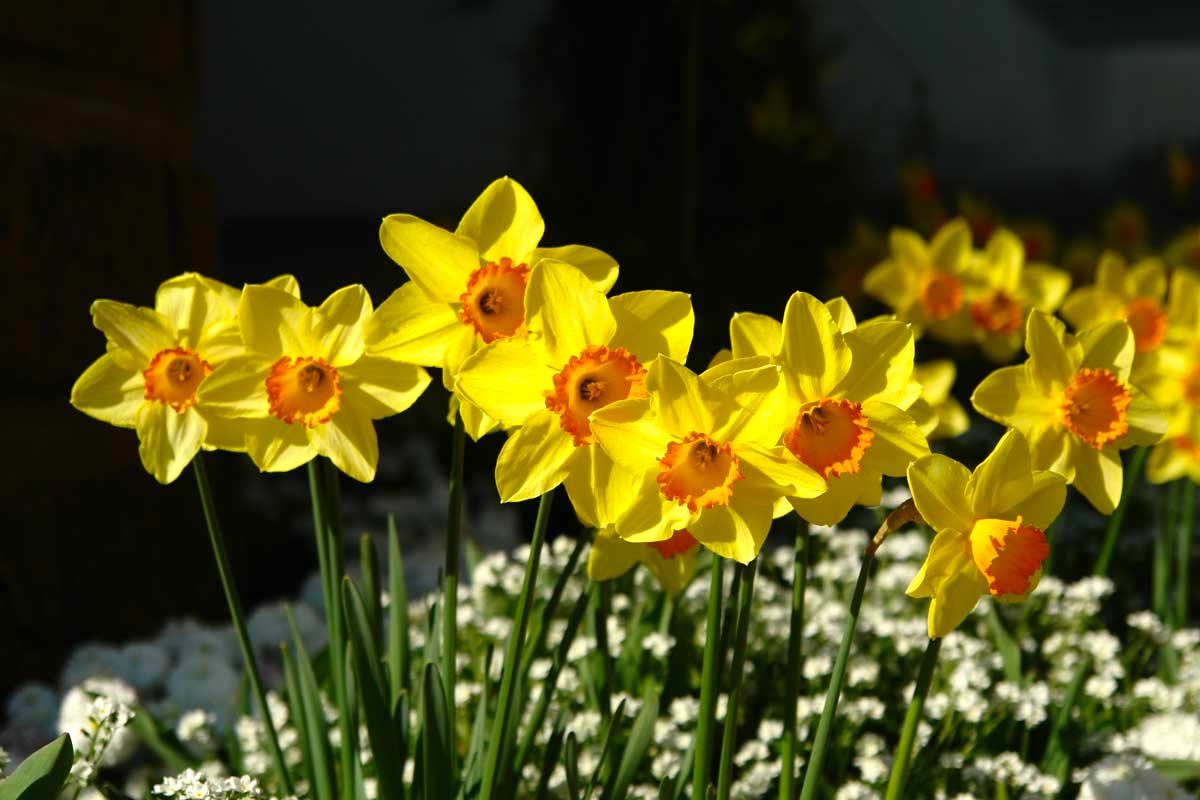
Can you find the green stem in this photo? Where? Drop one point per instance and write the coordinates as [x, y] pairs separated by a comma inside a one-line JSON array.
[[908, 734], [737, 671], [239, 621], [702, 759], [450, 582], [1183, 554], [1161, 561], [516, 641], [608, 679], [795, 661], [1132, 473]]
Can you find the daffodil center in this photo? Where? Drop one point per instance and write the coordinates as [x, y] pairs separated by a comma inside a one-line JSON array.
[[1094, 407], [941, 295], [998, 313], [698, 472], [305, 390], [1009, 554], [680, 542], [591, 380], [831, 436], [1148, 323], [494, 302], [173, 377]]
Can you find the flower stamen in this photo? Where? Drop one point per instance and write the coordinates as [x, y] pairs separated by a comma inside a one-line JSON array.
[[494, 302], [698, 472], [591, 380], [831, 436], [173, 377], [304, 390], [1094, 407]]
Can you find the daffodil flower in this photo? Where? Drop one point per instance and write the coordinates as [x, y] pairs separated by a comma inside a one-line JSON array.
[[848, 386], [1134, 294], [924, 283], [586, 351], [156, 360], [672, 561], [703, 450], [989, 529], [1173, 380], [467, 288], [1004, 289], [936, 412], [1073, 401], [306, 385]]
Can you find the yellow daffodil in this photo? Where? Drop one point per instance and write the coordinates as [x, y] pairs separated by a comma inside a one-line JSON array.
[[936, 411], [156, 359], [847, 387], [467, 288], [306, 385], [1136, 295], [672, 561], [1073, 400], [1004, 290], [703, 450], [989, 529], [923, 283], [585, 351], [1173, 380]]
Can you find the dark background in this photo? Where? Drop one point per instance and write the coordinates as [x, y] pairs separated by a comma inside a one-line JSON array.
[[738, 151]]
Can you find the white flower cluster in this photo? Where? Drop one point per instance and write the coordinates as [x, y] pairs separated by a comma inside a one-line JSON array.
[[194, 785], [95, 715]]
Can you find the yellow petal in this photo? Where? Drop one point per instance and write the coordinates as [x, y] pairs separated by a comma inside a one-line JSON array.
[[882, 362], [192, 302], [950, 249], [286, 283], [684, 402], [611, 557], [220, 342], [1004, 257], [761, 412], [722, 356], [599, 266], [339, 325], [275, 446], [458, 351], [952, 420], [955, 596], [1001, 347], [1087, 306], [599, 489], [897, 442], [842, 313], [650, 518], [224, 433], [1110, 274], [348, 440], [508, 379], [936, 379], [1148, 278], [673, 574], [908, 249], [275, 323], [945, 553], [891, 284], [755, 335], [653, 323], [1108, 346], [843, 493], [1044, 287], [939, 489], [1003, 478], [109, 392], [630, 435], [813, 354], [534, 459], [381, 387], [504, 222], [475, 422], [410, 327], [736, 531], [1051, 446], [1010, 397], [1050, 365], [1098, 475], [136, 333], [1147, 423], [435, 259], [1166, 463], [1047, 493], [237, 388], [1183, 305], [168, 440], [776, 471], [562, 305]]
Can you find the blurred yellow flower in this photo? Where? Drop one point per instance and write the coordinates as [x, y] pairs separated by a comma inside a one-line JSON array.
[[923, 284], [306, 385], [1003, 290], [848, 386], [156, 360], [586, 351], [703, 450], [672, 561], [467, 288], [1073, 400], [1134, 294], [1174, 382], [936, 411], [989, 529]]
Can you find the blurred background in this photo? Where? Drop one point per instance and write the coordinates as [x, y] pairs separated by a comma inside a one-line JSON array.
[[738, 151]]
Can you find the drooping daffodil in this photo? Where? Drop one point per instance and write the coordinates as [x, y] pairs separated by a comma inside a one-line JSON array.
[[672, 561]]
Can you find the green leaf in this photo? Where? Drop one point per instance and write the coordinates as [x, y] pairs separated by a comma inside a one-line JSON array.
[[1179, 771], [315, 730], [640, 737], [436, 735], [397, 638], [550, 760], [372, 587], [571, 764], [165, 747], [609, 735], [473, 764], [42, 775], [291, 685], [1010, 652]]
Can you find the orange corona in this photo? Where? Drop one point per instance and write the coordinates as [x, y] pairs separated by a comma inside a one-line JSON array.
[[591, 380], [698, 472], [173, 377], [304, 390], [1009, 554], [680, 542], [998, 313], [831, 436], [1094, 407], [941, 295], [1148, 323], [494, 303]]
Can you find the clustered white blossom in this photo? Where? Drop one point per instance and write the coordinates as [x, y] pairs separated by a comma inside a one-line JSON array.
[[95, 715], [193, 785]]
